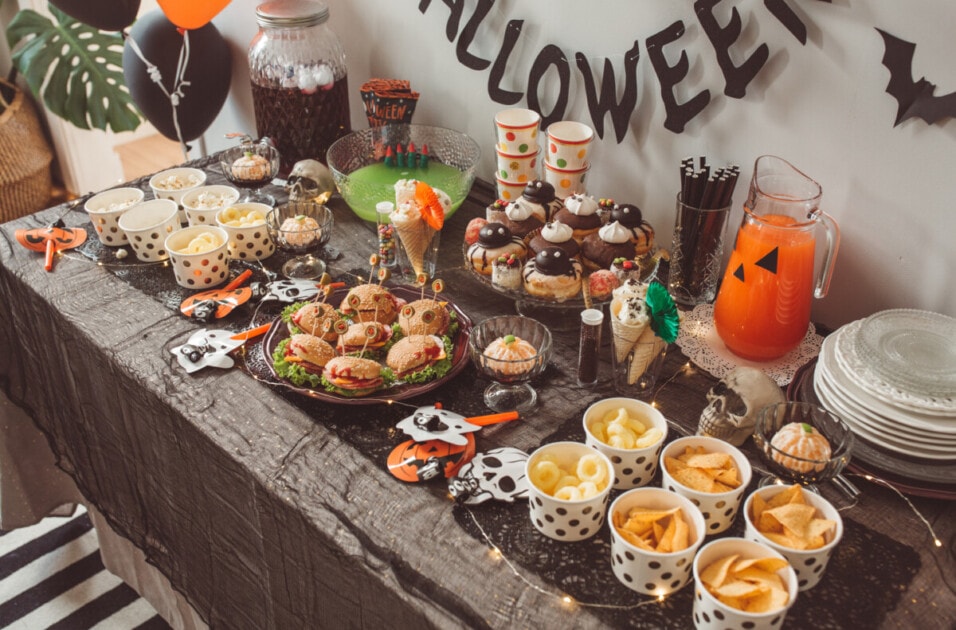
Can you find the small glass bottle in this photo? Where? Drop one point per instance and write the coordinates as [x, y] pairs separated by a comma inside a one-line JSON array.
[[387, 242], [592, 321], [299, 80]]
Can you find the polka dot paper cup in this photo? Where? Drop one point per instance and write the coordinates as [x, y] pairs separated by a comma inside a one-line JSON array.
[[105, 210], [633, 466], [201, 204], [517, 131], [174, 183], [249, 237], [509, 191], [712, 614], [566, 182], [574, 518], [569, 144], [200, 269], [147, 224], [809, 564], [718, 508], [517, 168], [651, 572]]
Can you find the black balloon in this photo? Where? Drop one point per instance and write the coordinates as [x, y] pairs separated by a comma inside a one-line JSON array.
[[106, 15], [208, 71]]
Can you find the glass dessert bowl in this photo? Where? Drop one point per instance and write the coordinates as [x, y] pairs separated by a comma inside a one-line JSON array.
[[802, 443], [366, 163], [301, 228], [510, 350], [250, 166]]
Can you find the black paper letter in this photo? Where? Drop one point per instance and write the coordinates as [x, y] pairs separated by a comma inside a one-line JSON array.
[[495, 91], [600, 105], [736, 77], [550, 55], [678, 115]]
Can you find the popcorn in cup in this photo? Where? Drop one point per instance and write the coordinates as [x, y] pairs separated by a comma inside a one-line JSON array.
[[568, 144], [147, 224], [174, 183], [199, 256], [201, 204], [568, 488], [712, 473], [800, 525], [642, 560], [106, 208], [737, 571], [510, 191], [517, 168], [566, 182], [631, 434], [517, 131], [245, 223]]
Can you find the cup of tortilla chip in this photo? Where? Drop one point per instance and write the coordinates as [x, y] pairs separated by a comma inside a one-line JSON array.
[[740, 583], [710, 472], [654, 536], [799, 524]]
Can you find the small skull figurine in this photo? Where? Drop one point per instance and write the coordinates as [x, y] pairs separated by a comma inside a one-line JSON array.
[[734, 402], [309, 179]]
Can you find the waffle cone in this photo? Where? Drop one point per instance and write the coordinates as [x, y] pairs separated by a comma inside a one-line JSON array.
[[646, 350], [415, 238], [625, 336]]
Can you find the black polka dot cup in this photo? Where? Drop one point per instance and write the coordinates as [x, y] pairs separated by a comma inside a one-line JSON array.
[[809, 564], [634, 450], [245, 223], [651, 572], [147, 225], [105, 210], [199, 255], [712, 614], [568, 490], [718, 508]]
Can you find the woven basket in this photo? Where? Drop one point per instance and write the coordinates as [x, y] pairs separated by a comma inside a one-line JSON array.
[[25, 158]]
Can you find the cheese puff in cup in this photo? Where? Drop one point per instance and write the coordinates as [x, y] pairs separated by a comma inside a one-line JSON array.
[[712, 473], [631, 433], [568, 488], [654, 536]]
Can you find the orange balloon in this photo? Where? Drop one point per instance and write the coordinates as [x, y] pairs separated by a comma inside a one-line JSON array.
[[192, 14]]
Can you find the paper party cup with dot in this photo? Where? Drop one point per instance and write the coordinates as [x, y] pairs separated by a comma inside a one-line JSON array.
[[654, 536], [568, 144], [566, 181], [201, 204], [568, 488], [199, 255], [147, 224], [517, 131], [631, 434], [517, 168], [245, 223], [740, 583], [801, 525], [712, 473], [105, 210]]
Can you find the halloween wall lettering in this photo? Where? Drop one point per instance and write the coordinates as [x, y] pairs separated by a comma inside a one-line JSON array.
[[915, 98]]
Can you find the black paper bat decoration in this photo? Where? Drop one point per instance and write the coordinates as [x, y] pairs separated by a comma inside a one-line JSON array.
[[915, 98]]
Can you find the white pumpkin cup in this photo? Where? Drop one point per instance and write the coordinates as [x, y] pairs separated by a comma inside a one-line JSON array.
[[809, 564], [712, 614], [718, 508], [650, 572], [567, 520], [633, 467]]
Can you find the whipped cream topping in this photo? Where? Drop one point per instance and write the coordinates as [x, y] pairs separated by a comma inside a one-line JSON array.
[[614, 233], [633, 313], [519, 210], [555, 232], [581, 205], [404, 191], [631, 289]]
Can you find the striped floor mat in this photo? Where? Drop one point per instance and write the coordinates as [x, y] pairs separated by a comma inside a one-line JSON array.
[[51, 576]]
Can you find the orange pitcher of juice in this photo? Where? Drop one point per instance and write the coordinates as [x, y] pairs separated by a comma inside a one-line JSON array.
[[763, 306]]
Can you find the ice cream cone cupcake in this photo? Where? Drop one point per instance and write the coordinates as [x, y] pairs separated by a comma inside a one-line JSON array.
[[419, 214], [628, 322], [646, 349]]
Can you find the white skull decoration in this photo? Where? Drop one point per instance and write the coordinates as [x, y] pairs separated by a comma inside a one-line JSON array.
[[309, 179], [734, 402]]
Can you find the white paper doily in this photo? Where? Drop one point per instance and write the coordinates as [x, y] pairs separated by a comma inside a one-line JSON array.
[[698, 339]]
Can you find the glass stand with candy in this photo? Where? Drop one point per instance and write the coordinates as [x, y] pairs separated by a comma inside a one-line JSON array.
[[251, 166]]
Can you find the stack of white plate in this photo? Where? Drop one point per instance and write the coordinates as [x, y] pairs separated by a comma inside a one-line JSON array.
[[892, 377]]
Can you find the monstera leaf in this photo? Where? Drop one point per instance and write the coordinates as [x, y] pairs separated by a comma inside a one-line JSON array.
[[76, 69]]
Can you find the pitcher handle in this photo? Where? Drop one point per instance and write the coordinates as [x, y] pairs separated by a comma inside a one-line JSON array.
[[833, 244]]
